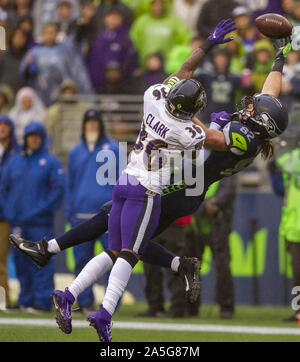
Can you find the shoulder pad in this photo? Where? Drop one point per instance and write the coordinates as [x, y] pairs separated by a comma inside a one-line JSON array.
[[241, 140]]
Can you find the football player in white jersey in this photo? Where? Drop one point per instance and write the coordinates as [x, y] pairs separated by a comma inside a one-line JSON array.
[[167, 127]]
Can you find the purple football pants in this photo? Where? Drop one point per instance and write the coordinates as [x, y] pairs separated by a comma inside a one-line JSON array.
[[133, 217]]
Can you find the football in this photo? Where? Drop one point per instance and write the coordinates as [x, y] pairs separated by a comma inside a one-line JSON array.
[[274, 26]]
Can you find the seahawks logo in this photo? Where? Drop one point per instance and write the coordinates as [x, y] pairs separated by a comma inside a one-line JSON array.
[[269, 124]]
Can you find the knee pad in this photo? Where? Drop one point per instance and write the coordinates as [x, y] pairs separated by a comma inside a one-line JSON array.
[[129, 257], [111, 255]]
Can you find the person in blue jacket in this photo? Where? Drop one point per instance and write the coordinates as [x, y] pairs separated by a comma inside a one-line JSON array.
[[8, 147], [84, 195], [32, 188]]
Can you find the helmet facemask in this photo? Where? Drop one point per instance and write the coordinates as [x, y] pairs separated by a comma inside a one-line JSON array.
[[257, 122]]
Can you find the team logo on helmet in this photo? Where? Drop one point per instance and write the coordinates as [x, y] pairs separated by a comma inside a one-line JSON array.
[[269, 124]]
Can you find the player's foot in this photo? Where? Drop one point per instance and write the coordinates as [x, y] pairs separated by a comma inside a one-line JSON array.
[[37, 252], [189, 271], [63, 302], [101, 321]]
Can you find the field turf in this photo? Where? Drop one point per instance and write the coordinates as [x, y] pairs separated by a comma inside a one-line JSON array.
[[245, 316]]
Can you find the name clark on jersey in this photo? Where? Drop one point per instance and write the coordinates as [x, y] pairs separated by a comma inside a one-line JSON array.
[[158, 127]]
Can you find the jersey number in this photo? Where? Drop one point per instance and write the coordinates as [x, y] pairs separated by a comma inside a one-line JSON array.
[[150, 156]]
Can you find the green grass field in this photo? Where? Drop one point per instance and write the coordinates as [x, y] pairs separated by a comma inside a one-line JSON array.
[[245, 316]]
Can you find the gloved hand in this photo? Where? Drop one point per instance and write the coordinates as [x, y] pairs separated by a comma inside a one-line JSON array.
[[281, 43], [223, 28], [219, 120], [283, 52]]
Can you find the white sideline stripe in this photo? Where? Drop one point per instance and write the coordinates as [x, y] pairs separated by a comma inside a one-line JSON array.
[[159, 326]]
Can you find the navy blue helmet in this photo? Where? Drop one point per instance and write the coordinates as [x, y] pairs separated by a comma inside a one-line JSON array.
[[269, 118]]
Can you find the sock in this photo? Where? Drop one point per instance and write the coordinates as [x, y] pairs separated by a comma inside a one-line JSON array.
[[53, 247], [156, 254], [175, 264], [93, 270], [86, 231], [118, 280]]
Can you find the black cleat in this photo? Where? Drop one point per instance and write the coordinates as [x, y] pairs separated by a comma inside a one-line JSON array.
[[189, 271], [37, 252]]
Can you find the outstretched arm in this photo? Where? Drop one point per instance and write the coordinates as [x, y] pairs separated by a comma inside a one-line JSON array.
[[214, 139], [272, 84], [216, 37]]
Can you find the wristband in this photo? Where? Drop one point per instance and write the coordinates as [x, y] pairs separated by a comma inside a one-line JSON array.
[[206, 46], [278, 64]]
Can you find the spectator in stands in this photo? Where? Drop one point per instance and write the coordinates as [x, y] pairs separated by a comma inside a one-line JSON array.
[[45, 66], [263, 7], [214, 225], [8, 147], [290, 88], [238, 55], [292, 65], [212, 12], [26, 24], [66, 105], [292, 10], [153, 74], [246, 31], [84, 194], [6, 98], [180, 53], [221, 86], [32, 187], [10, 60], [174, 239], [44, 12], [158, 31], [107, 6], [64, 18], [85, 26], [285, 182], [21, 8], [188, 12], [112, 44], [260, 63], [28, 108], [114, 80]]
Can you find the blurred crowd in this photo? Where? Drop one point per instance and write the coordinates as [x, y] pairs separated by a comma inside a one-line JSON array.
[[57, 49]]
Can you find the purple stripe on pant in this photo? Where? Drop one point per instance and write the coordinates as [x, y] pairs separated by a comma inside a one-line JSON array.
[[133, 217]]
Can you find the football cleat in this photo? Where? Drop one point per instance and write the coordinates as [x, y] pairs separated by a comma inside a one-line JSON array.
[[37, 252], [101, 321], [63, 302], [189, 271]]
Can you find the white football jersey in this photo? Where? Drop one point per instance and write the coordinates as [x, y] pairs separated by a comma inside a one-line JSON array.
[[161, 141]]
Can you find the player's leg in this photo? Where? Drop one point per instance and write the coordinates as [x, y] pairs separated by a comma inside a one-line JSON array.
[[83, 253], [139, 219], [93, 270], [41, 252], [43, 279]]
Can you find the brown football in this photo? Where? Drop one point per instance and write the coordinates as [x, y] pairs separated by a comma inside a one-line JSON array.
[[274, 26]]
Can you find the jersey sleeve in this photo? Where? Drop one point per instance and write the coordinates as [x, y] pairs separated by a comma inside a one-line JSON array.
[[241, 140], [193, 137], [156, 92]]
